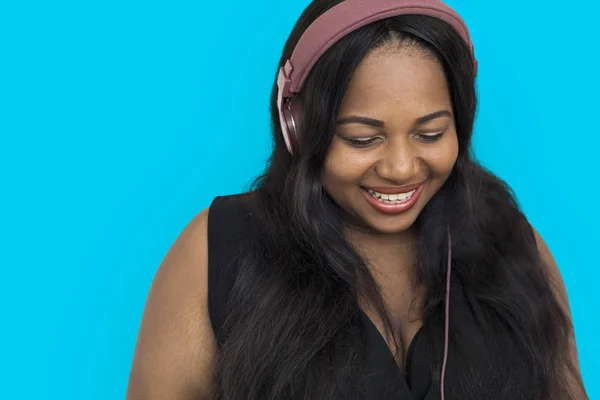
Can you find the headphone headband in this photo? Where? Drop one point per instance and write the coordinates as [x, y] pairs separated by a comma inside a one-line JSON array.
[[334, 24]]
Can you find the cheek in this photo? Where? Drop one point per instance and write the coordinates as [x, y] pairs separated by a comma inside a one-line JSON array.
[[442, 159], [342, 168]]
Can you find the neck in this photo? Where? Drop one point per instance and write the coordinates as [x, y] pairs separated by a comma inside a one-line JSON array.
[[387, 253]]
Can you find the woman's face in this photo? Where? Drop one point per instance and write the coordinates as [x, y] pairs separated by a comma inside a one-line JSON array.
[[395, 142]]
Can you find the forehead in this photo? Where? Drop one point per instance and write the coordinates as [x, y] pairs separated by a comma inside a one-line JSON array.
[[397, 77]]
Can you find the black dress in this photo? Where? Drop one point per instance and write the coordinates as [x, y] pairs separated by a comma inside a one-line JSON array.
[[384, 379]]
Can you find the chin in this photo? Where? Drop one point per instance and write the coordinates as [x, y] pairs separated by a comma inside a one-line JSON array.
[[393, 225]]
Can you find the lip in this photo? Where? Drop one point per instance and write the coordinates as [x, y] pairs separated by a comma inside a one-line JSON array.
[[394, 190], [394, 208]]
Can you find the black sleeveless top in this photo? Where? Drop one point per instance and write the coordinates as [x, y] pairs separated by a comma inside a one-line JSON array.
[[384, 379]]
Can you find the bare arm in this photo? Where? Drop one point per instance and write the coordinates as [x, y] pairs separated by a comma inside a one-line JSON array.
[[175, 344], [576, 383]]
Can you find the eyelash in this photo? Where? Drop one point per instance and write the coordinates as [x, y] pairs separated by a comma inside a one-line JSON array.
[[361, 143], [431, 138], [368, 142]]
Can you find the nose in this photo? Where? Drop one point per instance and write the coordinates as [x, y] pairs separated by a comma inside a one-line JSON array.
[[399, 163]]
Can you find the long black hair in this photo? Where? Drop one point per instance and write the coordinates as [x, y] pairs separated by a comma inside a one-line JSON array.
[[290, 328]]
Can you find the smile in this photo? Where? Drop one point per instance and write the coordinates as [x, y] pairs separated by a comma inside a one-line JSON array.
[[392, 198], [392, 203]]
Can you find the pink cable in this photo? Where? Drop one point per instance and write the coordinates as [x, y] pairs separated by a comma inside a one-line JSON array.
[[447, 327]]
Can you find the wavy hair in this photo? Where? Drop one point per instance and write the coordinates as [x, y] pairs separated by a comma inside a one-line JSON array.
[[290, 331]]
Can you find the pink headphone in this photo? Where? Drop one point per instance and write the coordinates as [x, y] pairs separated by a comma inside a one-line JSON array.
[[330, 27]]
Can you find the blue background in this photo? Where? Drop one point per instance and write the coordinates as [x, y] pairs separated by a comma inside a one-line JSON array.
[[119, 121]]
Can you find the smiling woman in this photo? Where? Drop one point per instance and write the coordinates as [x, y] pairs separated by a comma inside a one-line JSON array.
[[388, 142], [374, 258]]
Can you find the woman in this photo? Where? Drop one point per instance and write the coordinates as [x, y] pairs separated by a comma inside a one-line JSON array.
[[375, 258]]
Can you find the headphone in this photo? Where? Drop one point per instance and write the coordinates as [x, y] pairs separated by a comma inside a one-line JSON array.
[[324, 32], [331, 26]]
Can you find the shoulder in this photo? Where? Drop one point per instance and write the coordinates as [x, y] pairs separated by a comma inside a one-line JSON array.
[[557, 284], [175, 343], [229, 219], [551, 268], [543, 248], [552, 271], [233, 206]]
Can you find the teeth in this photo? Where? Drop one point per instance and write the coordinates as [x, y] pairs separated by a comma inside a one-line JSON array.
[[392, 198]]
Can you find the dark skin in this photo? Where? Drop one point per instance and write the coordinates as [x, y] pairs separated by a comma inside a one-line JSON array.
[[176, 345], [396, 86], [393, 89]]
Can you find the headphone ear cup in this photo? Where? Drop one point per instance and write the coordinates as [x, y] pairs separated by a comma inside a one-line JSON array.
[[290, 123], [285, 119], [294, 119]]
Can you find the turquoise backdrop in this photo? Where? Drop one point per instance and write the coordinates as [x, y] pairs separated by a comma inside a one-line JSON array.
[[120, 120]]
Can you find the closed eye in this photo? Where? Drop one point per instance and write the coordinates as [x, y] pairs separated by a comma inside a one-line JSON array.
[[361, 142], [430, 138]]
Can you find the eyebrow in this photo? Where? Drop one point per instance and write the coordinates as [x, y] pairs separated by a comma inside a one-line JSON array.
[[355, 119]]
